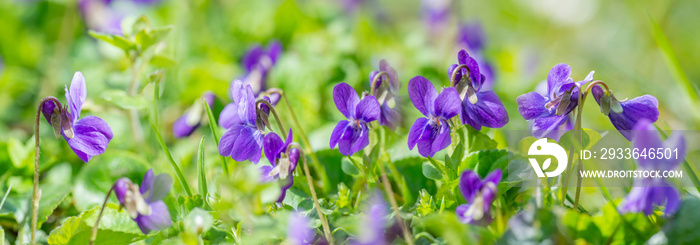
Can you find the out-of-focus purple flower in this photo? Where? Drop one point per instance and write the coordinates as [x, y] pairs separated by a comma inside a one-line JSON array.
[[479, 194], [99, 16], [472, 37], [386, 93], [374, 222], [282, 159], [351, 6], [299, 230], [258, 62], [190, 120], [624, 115], [88, 136], [352, 135], [432, 132], [650, 192], [145, 205], [548, 113], [243, 139], [436, 13], [480, 107]]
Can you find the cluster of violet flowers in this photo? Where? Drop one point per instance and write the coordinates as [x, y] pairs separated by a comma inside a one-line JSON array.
[[476, 105]]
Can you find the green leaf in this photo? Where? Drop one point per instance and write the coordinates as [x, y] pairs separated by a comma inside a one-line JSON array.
[[95, 179], [121, 99], [202, 174], [2, 236], [51, 196], [581, 226], [478, 140], [448, 227], [115, 228], [162, 61], [117, 41], [20, 154], [431, 172], [349, 168], [683, 227], [590, 138], [412, 171]]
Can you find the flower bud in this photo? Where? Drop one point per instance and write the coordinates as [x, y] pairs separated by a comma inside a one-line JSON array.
[[67, 123], [56, 122]]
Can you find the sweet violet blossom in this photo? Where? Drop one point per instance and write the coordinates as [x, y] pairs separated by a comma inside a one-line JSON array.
[[352, 135], [243, 139], [480, 107], [374, 222], [432, 132], [145, 205], [558, 132], [386, 93], [258, 62], [88, 136], [436, 13], [479, 194], [548, 113], [625, 114], [190, 120], [472, 37], [299, 230], [283, 160], [648, 193]]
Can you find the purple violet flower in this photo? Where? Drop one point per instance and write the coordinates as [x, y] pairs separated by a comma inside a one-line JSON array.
[[650, 192], [432, 132], [282, 159], [243, 139], [548, 113], [625, 114], [88, 136], [480, 107], [479, 194], [352, 135], [99, 16], [299, 231], [258, 62], [386, 95], [558, 132], [190, 120], [374, 222], [145, 205], [436, 13]]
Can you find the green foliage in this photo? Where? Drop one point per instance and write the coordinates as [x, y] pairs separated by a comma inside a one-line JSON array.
[[115, 228], [683, 227]]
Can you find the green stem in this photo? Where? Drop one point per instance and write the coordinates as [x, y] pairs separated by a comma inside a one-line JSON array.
[[212, 126], [202, 174], [283, 130], [93, 233], [390, 193], [318, 167], [179, 174], [324, 222], [36, 196]]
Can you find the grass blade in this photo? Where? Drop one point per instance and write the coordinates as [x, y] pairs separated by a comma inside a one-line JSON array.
[[672, 60], [202, 176], [212, 126], [180, 177]]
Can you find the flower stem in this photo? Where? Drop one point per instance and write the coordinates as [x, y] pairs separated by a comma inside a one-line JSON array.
[[320, 170], [324, 222], [36, 196], [212, 126], [93, 234], [375, 79], [390, 193], [134, 114], [283, 131]]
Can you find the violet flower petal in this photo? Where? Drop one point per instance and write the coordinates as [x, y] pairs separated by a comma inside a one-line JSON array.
[[338, 132], [346, 99], [367, 109], [241, 143], [350, 136], [469, 185], [416, 131], [633, 110], [299, 229], [77, 95], [531, 105], [558, 76], [273, 144], [649, 195], [87, 141], [422, 94], [389, 117], [488, 111], [446, 104], [158, 220], [647, 137]]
